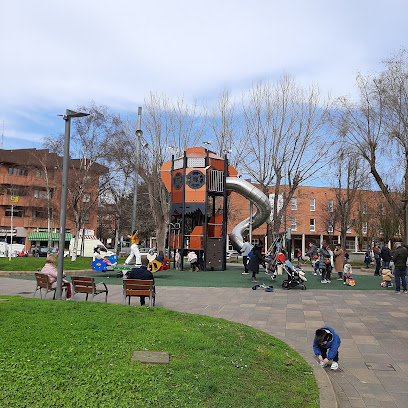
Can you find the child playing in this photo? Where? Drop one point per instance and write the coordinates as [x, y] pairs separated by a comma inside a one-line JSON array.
[[326, 347], [177, 258], [367, 260], [387, 278], [347, 273], [192, 258], [315, 263]]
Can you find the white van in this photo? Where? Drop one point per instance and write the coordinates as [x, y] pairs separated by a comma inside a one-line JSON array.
[[90, 243], [15, 249]]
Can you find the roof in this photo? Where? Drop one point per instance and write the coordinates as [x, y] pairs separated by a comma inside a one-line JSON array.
[[39, 158]]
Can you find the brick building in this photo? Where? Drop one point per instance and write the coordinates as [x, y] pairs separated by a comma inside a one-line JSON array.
[[34, 177], [310, 213]]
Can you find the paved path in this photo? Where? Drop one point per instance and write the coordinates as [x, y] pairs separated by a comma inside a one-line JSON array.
[[373, 326]]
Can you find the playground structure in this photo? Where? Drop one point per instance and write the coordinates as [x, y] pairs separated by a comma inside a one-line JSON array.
[[199, 183]]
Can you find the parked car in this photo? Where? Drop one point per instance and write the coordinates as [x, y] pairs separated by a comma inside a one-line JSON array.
[[42, 251]]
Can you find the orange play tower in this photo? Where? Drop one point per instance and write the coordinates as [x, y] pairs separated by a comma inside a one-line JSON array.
[[198, 204]]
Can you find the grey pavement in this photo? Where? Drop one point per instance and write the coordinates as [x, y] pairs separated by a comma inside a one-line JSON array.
[[373, 327]]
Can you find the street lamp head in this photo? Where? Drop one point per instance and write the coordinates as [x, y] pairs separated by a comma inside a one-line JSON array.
[[207, 142], [72, 114], [139, 133]]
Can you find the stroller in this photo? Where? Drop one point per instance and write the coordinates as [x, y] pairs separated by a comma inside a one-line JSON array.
[[295, 276]]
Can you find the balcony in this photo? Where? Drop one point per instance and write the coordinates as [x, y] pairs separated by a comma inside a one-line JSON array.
[[24, 201], [29, 180]]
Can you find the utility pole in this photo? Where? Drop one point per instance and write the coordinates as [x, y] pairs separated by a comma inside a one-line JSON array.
[[139, 135]]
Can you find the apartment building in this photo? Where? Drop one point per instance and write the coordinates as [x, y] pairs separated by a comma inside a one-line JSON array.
[[311, 218], [30, 190]]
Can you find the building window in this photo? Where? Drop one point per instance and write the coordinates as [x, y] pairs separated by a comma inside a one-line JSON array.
[[312, 204], [39, 213], [365, 228], [294, 224], [17, 191], [312, 225], [41, 173], [364, 209], [86, 198], [85, 217], [330, 227], [330, 205], [293, 204], [381, 208], [40, 193], [350, 245], [17, 212], [17, 171], [348, 230]]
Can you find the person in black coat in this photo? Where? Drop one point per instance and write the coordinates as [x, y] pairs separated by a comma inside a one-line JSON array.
[[386, 256], [141, 273], [256, 260]]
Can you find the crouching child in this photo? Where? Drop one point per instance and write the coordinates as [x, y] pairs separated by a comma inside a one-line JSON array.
[[326, 347]]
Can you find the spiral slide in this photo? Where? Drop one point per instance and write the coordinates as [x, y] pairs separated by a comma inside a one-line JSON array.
[[256, 197]]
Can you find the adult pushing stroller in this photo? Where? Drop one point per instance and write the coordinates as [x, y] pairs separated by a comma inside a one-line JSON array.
[[295, 277]]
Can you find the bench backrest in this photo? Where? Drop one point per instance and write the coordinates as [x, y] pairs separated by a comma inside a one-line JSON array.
[[83, 284], [43, 280], [138, 287]]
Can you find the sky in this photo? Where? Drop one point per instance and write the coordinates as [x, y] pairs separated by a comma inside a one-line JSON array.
[[57, 55]]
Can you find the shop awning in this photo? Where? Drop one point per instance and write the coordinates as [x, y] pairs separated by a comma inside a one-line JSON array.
[[43, 236]]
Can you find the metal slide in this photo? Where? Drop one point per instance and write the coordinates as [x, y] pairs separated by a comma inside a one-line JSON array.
[[256, 197]]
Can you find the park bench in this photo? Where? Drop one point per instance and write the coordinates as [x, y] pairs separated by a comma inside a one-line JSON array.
[[43, 282], [86, 284], [138, 287]]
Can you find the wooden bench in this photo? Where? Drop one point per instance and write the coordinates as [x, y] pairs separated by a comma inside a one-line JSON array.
[[138, 287], [86, 284], [43, 282]]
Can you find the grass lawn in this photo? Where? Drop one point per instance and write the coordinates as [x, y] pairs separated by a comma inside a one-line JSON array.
[[77, 354], [32, 264]]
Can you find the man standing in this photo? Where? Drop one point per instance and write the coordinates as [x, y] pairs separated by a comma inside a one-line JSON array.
[[338, 261], [400, 262], [246, 249], [377, 258], [386, 256], [312, 252], [141, 273]]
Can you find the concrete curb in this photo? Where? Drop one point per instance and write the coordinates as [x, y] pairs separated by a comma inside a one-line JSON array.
[[31, 273]]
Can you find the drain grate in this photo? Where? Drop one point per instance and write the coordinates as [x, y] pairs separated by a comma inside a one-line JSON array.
[[380, 367]]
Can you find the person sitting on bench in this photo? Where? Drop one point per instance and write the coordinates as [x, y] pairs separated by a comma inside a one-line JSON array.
[[51, 270], [141, 273]]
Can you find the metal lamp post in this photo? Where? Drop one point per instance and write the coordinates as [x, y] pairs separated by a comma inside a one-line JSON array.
[[64, 193], [139, 134]]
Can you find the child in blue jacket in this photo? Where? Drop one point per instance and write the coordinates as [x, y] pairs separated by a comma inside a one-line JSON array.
[[326, 346]]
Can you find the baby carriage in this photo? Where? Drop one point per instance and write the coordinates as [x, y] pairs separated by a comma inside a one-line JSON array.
[[295, 276]]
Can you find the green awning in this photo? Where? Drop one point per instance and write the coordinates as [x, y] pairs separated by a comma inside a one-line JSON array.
[[43, 236]]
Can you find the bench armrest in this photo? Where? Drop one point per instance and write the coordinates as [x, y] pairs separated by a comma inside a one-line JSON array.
[[101, 283]]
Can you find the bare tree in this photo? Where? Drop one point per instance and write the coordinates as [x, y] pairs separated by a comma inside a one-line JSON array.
[[350, 176], [89, 141], [169, 126], [286, 138], [226, 128], [46, 166]]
